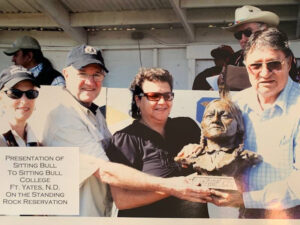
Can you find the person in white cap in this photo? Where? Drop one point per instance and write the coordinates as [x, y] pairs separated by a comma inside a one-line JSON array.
[[248, 20]]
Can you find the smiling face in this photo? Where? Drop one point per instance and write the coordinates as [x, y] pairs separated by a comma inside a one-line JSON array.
[[20, 109], [154, 112], [218, 121], [268, 82], [82, 84]]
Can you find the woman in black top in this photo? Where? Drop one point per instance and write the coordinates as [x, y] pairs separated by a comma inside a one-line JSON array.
[[152, 141]]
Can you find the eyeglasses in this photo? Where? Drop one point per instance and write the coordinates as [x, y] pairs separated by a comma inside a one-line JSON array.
[[271, 66], [16, 93], [156, 96], [98, 77], [238, 35]]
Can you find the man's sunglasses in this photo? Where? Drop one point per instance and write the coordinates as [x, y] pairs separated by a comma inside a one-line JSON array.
[[156, 96], [238, 35], [16, 93], [271, 66]]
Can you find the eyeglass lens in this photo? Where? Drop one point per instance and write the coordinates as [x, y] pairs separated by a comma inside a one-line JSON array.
[[274, 65], [16, 93], [238, 35], [96, 77], [155, 96]]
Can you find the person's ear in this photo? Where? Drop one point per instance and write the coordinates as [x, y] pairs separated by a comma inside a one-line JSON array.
[[65, 73], [137, 100], [290, 61], [29, 56]]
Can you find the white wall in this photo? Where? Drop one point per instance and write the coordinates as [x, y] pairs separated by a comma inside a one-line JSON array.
[[123, 64]]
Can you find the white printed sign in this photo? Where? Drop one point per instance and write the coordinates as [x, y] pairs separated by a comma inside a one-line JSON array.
[[39, 181]]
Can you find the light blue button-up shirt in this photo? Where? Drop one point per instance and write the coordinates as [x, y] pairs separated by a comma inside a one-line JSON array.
[[274, 133]]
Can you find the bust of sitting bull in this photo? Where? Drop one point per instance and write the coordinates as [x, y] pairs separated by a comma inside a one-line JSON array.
[[220, 152]]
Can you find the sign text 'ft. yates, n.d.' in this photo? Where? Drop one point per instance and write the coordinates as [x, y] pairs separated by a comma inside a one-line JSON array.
[[39, 181]]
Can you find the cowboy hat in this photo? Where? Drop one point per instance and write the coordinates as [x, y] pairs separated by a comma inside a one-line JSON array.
[[248, 14]]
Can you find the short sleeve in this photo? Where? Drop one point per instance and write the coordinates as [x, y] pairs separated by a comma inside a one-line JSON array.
[[125, 149]]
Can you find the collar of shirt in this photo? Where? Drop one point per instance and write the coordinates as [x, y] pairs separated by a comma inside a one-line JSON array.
[[87, 109], [280, 102], [30, 137], [36, 70]]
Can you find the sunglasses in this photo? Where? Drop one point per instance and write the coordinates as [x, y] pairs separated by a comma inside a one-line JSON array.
[[238, 35], [16, 93], [156, 96], [271, 66]]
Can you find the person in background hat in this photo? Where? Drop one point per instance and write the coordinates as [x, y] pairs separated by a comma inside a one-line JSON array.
[[271, 113], [79, 122], [221, 56], [26, 52], [18, 91], [248, 20]]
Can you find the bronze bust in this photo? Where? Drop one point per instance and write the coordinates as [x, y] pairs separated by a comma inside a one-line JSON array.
[[221, 150]]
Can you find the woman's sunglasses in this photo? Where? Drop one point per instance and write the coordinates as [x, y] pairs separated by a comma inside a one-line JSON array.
[[16, 93], [238, 35], [156, 96]]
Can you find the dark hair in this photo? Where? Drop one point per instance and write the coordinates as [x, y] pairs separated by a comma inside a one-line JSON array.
[[270, 37], [38, 56], [150, 74]]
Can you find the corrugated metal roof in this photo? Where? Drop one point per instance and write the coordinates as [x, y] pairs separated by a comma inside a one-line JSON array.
[[135, 14], [115, 5], [18, 6]]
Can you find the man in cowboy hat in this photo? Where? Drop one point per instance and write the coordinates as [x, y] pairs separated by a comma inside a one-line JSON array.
[[221, 56], [248, 20]]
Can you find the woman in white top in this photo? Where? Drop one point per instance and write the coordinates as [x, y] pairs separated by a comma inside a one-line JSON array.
[[18, 91]]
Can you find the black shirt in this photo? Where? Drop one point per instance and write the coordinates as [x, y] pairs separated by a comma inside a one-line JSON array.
[[144, 149]]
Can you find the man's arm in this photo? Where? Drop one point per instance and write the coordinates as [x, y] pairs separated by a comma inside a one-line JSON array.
[[125, 177], [127, 199]]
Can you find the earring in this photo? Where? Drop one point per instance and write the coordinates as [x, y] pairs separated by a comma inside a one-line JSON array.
[[138, 111]]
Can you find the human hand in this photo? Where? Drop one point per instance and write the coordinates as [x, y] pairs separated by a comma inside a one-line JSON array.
[[223, 198], [183, 188]]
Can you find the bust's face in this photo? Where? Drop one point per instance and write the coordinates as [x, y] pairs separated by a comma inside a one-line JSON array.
[[218, 122]]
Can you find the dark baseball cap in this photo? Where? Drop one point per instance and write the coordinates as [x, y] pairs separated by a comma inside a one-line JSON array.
[[14, 74], [25, 42], [84, 55]]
